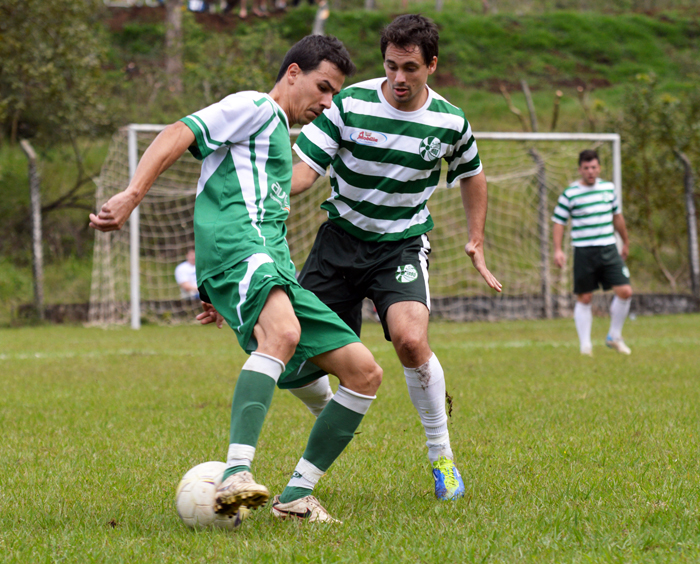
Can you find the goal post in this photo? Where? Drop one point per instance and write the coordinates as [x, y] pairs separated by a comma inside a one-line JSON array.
[[133, 269]]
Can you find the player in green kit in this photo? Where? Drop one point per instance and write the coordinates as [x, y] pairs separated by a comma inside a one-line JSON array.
[[383, 141], [245, 273]]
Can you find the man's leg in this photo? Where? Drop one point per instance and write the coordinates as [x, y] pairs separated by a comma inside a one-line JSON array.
[[335, 427], [408, 328], [315, 395], [619, 308], [277, 333], [583, 319]]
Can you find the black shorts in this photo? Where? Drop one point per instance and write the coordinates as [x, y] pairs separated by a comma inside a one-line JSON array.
[[342, 270], [598, 266]]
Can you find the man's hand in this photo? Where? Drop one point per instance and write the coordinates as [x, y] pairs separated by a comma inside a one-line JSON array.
[[114, 213], [476, 253], [559, 258], [210, 315], [625, 251]]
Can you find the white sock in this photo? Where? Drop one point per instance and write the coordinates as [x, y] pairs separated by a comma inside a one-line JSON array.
[[583, 318], [618, 313], [316, 395], [426, 387]]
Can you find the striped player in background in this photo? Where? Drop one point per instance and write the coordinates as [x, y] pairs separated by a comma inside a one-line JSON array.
[[595, 215], [384, 141]]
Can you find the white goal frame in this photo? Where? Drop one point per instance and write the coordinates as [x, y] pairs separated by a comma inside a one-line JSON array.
[[134, 252]]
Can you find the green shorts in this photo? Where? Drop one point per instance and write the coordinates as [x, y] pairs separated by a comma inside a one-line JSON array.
[[239, 295], [342, 270], [598, 266]]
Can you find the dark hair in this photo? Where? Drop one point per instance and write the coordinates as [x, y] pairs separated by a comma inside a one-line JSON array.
[[412, 29], [587, 155], [312, 50]]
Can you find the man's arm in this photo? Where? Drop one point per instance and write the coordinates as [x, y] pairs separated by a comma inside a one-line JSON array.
[[303, 177], [169, 146], [475, 201], [558, 237], [621, 228]]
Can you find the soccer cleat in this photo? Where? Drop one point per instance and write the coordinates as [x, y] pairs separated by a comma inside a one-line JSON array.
[[587, 351], [448, 481], [617, 345], [307, 508], [239, 490]]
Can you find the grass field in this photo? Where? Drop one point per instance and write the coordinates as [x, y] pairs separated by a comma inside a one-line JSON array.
[[565, 459]]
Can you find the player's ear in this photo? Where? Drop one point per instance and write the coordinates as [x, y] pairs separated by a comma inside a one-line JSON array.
[[432, 66], [293, 72]]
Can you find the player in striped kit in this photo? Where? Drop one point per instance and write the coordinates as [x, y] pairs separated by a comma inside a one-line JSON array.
[[384, 141], [595, 215], [245, 272]]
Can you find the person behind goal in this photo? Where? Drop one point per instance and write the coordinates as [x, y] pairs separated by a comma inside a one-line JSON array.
[[595, 215]]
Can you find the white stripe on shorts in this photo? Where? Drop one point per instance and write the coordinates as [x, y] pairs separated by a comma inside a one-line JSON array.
[[254, 262], [423, 258]]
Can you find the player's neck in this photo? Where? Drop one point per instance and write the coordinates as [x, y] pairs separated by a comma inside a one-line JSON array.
[[281, 96]]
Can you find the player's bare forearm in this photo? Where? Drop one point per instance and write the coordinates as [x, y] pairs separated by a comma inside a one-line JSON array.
[[474, 194], [169, 146], [557, 238], [621, 227], [303, 177]]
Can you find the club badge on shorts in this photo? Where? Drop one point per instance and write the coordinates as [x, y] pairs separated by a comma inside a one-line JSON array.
[[405, 274]]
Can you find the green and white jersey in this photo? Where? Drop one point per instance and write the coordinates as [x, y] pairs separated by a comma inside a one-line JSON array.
[[243, 191], [591, 209], [385, 163]]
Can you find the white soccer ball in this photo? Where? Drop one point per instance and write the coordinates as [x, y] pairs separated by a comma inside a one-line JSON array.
[[194, 498]]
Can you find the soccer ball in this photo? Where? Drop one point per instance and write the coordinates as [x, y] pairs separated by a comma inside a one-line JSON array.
[[194, 498]]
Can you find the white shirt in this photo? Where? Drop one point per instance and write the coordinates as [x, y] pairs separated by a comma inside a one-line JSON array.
[[186, 272]]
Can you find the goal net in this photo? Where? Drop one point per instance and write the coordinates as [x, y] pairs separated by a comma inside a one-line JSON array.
[[133, 269]]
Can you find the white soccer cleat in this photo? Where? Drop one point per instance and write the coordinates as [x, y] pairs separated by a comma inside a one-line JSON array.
[[617, 345], [307, 508], [587, 351], [237, 490]]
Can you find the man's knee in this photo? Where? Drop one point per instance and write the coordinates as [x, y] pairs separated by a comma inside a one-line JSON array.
[[412, 348], [364, 378], [623, 292], [584, 298]]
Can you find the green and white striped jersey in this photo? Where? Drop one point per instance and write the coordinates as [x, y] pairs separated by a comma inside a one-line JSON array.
[[385, 163], [243, 191], [591, 209]]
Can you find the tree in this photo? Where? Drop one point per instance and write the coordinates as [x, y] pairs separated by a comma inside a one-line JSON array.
[[51, 83], [50, 69], [657, 128]]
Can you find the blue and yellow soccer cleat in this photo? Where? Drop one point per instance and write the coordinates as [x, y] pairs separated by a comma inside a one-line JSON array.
[[448, 481]]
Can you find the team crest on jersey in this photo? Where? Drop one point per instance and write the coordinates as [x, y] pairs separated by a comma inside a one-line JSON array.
[[430, 148], [280, 196], [405, 274], [365, 137]]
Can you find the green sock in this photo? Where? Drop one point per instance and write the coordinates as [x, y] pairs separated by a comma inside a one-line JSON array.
[[234, 470], [251, 400], [291, 493], [334, 429], [331, 433]]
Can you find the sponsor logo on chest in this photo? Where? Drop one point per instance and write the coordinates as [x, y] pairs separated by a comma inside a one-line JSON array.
[[365, 137]]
